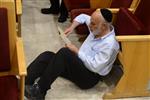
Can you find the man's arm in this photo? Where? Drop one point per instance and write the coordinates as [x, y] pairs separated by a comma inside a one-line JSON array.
[[71, 28], [82, 18]]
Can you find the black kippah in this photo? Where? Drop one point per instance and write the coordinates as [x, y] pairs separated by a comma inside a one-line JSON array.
[[106, 14]]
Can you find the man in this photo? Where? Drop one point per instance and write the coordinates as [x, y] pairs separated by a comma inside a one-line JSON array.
[[55, 9], [84, 66]]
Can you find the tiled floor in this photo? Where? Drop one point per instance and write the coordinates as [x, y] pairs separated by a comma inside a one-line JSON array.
[[40, 34]]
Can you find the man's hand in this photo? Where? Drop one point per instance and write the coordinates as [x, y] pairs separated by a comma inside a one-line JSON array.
[[71, 28], [72, 48], [68, 31]]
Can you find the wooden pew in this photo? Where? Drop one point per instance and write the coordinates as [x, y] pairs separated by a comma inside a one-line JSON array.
[[134, 31], [134, 57], [17, 58]]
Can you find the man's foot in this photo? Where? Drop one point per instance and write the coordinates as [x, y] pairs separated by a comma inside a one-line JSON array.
[[62, 18], [27, 95], [34, 93], [49, 11]]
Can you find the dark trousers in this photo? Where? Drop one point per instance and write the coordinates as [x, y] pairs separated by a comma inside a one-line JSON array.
[[61, 8], [48, 66]]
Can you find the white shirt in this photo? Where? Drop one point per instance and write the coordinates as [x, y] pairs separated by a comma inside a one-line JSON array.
[[99, 54]]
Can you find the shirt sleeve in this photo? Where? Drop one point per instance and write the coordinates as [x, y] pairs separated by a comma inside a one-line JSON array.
[[83, 18], [99, 61]]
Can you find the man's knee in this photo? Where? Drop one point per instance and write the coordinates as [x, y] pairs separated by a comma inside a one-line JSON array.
[[64, 50], [45, 55]]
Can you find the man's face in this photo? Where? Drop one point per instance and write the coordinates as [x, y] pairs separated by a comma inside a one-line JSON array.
[[96, 23]]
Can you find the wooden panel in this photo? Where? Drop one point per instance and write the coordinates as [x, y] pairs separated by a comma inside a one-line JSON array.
[[100, 3], [135, 4], [133, 38], [20, 57], [18, 4], [18, 7], [18, 61], [135, 80]]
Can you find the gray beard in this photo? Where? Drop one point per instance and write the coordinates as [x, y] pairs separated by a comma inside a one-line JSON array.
[[96, 32]]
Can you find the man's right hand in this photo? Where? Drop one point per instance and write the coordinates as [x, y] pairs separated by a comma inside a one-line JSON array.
[[68, 31], [71, 28]]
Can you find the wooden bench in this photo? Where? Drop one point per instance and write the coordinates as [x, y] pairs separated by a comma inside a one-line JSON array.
[[12, 62]]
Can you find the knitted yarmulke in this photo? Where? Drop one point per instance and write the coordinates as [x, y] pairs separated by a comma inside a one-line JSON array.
[[106, 14]]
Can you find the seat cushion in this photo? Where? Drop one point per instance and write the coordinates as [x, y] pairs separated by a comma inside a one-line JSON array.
[[76, 12], [128, 24], [75, 4], [4, 41], [9, 88], [143, 15]]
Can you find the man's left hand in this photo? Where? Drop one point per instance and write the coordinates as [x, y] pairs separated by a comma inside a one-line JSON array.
[[72, 47]]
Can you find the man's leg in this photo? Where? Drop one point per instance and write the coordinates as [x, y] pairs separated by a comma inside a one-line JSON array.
[[67, 64], [63, 13], [54, 8], [55, 67], [37, 67], [35, 70], [78, 73]]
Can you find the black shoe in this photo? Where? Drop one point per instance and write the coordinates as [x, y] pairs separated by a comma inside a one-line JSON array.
[[62, 18], [49, 11], [27, 95], [34, 93]]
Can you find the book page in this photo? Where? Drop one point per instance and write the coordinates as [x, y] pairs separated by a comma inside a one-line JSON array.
[[63, 36]]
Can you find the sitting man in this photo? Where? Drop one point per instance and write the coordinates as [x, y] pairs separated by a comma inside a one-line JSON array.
[[84, 66]]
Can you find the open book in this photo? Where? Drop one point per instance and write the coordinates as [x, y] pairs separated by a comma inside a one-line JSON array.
[[63, 36]]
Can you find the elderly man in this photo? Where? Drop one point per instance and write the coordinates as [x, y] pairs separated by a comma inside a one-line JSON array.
[[84, 66]]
